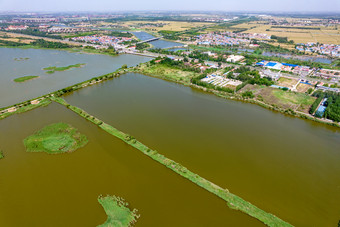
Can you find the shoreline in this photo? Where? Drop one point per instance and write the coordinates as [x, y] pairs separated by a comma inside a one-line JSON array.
[[220, 94], [70, 50], [235, 97]]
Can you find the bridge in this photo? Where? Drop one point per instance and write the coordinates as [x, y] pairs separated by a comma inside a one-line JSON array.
[[150, 40]]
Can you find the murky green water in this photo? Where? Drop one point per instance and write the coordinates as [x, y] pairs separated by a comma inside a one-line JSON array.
[[11, 92], [37, 189], [284, 165]]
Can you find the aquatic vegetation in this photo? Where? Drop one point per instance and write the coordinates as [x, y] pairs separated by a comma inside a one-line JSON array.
[[118, 213], [24, 78], [20, 59], [55, 139], [52, 69]]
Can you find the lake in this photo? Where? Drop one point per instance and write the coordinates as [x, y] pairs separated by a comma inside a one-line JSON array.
[[37, 189], [284, 165], [12, 92]]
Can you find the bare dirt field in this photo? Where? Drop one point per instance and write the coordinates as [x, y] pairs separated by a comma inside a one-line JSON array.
[[287, 82]]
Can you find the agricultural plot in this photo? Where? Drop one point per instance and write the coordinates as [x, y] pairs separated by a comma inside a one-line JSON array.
[[314, 34], [286, 99], [287, 82], [165, 25], [303, 87], [168, 72]]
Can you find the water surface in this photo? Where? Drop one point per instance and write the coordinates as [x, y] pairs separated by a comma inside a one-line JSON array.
[[284, 165], [12, 92], [37, 189], [158, 43]]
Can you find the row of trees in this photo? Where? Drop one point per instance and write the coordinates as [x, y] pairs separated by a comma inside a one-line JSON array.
[[169, 34], [333, 104], [141, 46], [36, 32], [11, 43], [282, 39], [120, 34], [250, 76], [47, 44]]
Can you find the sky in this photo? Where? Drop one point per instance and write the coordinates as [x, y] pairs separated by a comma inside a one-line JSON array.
[[194, 5]]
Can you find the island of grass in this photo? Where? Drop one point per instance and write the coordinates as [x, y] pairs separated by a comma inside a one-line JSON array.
[[55, 139], [118, 213], [1, 154], [21, 59], [52, 69], [24, 78]]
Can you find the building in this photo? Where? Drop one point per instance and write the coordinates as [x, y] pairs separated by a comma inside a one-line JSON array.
[[16, 28], [234, 58]]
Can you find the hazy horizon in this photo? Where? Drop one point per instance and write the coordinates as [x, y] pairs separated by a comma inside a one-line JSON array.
[[305, 6]]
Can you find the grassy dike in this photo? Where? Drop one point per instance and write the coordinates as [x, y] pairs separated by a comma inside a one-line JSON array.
[[233, 201], [24, 107], [44, 99]]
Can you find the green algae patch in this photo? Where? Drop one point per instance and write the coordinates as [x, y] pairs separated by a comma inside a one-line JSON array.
[[118, 213], [52, 69], [55, 139], [1, 154], [24, 78]]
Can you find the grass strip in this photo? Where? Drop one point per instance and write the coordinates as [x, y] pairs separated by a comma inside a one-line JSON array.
[[118, 213], [233, 201], [24, 78]]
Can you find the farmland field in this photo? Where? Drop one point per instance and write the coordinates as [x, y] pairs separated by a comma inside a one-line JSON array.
[[319, 34], [168, 25]]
